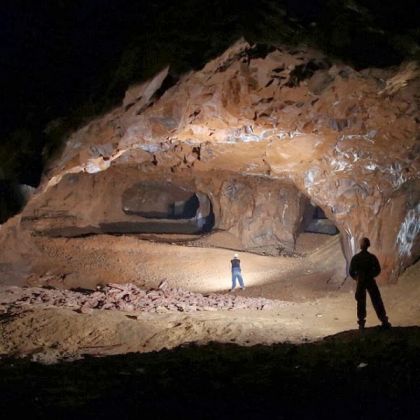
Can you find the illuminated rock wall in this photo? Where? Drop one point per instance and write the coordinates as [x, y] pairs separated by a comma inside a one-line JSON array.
[[258, 132], [264, 214]]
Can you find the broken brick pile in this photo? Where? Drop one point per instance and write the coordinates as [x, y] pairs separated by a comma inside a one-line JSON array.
[[129, 297]]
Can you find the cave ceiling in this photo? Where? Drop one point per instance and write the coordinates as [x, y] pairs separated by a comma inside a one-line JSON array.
[[252, 137]]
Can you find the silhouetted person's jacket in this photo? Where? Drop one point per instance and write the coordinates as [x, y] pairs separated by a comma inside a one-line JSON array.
[[364, 266]]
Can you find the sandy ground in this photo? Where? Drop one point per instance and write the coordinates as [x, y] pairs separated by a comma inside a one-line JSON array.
[[312, 298]]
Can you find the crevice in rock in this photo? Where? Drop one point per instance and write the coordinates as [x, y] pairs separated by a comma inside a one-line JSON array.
[[260, 51], [303, 71], [170, 81]]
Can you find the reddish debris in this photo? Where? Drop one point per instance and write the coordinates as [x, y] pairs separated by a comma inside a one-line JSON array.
[[128, 297]]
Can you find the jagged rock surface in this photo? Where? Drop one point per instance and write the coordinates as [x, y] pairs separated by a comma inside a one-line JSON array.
[[129, 298], [256, 135]]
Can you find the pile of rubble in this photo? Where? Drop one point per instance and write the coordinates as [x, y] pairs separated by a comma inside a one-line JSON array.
[[129, 297]]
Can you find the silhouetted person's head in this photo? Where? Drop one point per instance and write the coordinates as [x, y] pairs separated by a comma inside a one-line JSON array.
[[235, 256], [364, 244]]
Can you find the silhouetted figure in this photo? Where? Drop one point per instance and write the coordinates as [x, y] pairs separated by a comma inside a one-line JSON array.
[[364, 267], [236, 273]]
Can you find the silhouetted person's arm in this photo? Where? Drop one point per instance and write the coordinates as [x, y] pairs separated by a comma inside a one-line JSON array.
[[376, 268], [353, 268]]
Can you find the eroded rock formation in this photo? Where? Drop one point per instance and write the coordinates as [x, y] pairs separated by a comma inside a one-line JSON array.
[[244, 145]]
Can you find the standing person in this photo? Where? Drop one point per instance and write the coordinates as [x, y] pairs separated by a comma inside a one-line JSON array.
[[364, 267], [236, 272]]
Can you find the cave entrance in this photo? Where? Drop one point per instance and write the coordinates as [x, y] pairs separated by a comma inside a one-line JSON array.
[[184, 209], [315, 231], [315, 221], [163, 207], [155, 202]]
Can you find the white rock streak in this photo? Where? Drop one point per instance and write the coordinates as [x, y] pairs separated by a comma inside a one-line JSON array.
[[410, 228]]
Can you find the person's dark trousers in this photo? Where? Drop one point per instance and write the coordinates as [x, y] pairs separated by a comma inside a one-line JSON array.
[[375, 296]]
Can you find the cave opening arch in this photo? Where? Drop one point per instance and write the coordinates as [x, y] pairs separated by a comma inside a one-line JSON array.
[[164, 207], [314, 220], [323, 240]]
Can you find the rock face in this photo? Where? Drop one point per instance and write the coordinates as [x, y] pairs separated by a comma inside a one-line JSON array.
[[244, 145]]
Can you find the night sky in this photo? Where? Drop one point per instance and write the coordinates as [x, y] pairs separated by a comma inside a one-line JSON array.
[[72, 59]]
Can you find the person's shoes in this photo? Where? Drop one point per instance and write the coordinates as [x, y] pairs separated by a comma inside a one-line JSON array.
[[242, 288], [231, 290], [386, 325]]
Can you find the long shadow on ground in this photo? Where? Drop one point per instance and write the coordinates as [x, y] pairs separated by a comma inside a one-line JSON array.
[[349, 375]]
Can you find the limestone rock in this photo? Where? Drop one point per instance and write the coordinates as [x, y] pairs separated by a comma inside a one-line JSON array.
[[251, 139]]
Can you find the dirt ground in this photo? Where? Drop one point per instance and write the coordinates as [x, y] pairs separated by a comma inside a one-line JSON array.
[[298, 357], [312, 297]]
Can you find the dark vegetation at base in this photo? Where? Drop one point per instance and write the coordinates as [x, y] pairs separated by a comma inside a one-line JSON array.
[[317, 380]]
